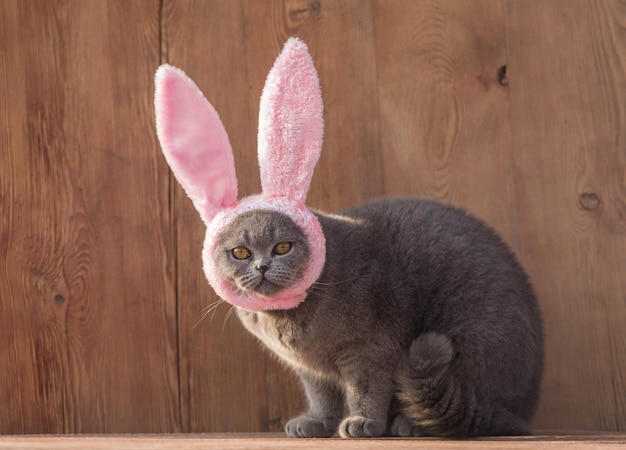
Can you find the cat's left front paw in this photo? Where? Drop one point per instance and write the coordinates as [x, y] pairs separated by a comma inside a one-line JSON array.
[[360, 427], [308, 427], [402, 426]]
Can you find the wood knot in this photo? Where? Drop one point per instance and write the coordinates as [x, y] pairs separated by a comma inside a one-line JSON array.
[[502, 78], [589, 201], [59, 299], [301, 12], [315, 6]]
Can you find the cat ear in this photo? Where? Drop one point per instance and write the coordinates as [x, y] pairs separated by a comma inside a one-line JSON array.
[[194, 142], [291, 123]]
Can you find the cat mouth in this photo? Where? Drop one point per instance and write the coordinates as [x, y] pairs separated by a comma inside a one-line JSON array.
[[266, 288], [260, 285]]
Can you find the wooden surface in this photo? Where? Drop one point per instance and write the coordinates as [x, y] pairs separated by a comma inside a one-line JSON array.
[[515, 109], [571, 198], [276, 442], [87, 301]]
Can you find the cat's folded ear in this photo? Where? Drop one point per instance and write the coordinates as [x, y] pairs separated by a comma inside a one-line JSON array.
[[291, 124], [194, 142]]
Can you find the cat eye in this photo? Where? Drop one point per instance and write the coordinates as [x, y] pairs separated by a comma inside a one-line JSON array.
[[240, 253], [282, 248]]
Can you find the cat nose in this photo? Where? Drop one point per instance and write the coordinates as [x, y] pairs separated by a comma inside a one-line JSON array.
[[262, 268]]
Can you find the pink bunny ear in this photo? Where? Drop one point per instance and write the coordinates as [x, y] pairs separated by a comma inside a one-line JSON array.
[[291, 124], [194, 142]]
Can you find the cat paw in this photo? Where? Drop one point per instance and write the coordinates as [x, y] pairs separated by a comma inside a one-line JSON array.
[[360, 427], [402, 426], [307, 427]]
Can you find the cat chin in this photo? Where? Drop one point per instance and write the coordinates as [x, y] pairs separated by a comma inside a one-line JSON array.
[[264, 288], [255, 302], [266, 296]]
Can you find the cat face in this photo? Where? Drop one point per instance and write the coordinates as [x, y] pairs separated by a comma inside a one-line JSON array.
[[261, 252]]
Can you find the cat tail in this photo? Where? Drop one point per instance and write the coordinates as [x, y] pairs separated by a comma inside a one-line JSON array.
[[430, 396], [438, 402]]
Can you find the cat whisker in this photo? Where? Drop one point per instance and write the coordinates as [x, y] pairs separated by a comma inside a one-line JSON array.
[[211, 305], [290, 278], [322, 292], [212, 308], [319, 288], [335, 283], [228, 315]]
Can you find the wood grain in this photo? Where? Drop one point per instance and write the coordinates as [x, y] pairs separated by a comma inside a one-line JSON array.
[[444, 114], [567, 65], [88, 318], [273, 442], [514, 109]]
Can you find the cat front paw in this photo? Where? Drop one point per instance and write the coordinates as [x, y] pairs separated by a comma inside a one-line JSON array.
[[361, 427], [308, 427], [402, 426]]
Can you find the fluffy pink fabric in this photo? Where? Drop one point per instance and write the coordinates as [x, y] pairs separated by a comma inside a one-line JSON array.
[[291, 123], [196, 147], [294, 294], [194, 142]]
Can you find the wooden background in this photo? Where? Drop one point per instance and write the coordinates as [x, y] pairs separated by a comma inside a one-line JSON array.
[[515, 109]]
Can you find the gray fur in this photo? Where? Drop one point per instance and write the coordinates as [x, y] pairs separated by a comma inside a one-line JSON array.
[[422, 321], [264, 272]]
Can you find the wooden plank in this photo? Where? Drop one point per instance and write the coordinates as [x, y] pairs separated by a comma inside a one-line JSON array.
[[87, 317], [567, 70], [228, 382], [340, 39], [444, 113], [223, 371], [274, 442]]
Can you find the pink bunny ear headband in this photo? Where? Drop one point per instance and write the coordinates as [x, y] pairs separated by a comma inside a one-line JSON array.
[[197, 149]]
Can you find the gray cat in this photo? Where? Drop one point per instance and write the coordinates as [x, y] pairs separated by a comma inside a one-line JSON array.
[[422, 320], [412, 312]]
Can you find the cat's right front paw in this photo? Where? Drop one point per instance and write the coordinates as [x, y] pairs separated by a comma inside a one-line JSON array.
[[307, 427]]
